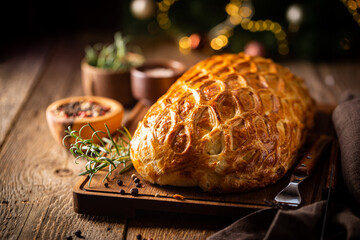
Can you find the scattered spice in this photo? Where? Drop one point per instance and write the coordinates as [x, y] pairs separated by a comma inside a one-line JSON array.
[[119, 182], [122, 191], [69, 238], [78, 234], [134, 192], [81, 109], [133, 176], [178, 197], [139, 237], [106, 184], [136, 180], [157, 194], [138, 185]]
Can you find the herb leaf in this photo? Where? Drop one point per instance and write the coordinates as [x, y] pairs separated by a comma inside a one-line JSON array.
[[111, 153]]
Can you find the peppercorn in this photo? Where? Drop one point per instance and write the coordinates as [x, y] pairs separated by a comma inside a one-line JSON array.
[[122, 191], [136, 180], [69, 238], [133, 176], [119, 182], [78, 234], [134, 191], [138, 185], [139, 237], [106, 184]]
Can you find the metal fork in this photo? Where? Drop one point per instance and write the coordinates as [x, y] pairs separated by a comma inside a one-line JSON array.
[[290, 195]]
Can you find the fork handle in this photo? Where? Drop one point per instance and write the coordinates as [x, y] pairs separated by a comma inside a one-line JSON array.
[[308, 162]]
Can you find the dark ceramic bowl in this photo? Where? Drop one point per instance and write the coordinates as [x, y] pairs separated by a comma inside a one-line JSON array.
[[152, 79], [109, 83]]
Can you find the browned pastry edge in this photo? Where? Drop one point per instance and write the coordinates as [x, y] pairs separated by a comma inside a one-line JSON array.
[[230, 123]]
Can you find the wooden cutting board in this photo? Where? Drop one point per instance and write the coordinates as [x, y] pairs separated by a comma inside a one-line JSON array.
[[100, 200]]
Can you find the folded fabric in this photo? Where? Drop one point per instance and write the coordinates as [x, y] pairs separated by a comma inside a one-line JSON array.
[[346, 118], [302, 223]]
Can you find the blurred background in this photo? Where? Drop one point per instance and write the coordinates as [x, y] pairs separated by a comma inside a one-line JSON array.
[[321, 30]]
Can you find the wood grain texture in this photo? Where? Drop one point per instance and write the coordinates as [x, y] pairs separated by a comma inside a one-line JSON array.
[[19, 73], [37, 175], [316, 87], [340, 77], [175, 226], [152, 197]]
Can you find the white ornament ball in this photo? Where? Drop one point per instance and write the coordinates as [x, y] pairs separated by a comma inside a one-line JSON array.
[[142, 9]]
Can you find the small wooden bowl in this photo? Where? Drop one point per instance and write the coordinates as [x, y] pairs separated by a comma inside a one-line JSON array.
[[148, 88], [58, 124]]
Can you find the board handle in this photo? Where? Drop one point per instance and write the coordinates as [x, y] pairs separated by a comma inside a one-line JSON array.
[[308, 162]]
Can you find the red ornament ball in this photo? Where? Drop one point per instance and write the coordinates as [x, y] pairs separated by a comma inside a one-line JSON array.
[[255, 48]]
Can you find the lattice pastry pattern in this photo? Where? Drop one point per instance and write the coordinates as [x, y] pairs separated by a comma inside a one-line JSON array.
[[230, 123]]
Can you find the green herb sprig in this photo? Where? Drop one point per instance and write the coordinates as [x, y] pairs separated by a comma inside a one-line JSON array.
[[109, 153], [115, 56]]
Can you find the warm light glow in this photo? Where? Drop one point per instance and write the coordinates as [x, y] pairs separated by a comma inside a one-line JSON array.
[[162, 16], [232, 9], [163, 7], [294, 14], [235, 20], [185, 43], [352, 5], [281, 35], [353, 8], [267, 23], [216, 43], [250, 24], [277, 28], [245, 12], [257, 26], [224, 40], [240, 13], [166, 25], [194, 40], [142, 9], [283, 49]]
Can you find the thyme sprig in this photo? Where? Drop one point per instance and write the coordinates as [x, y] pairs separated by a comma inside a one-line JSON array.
[[109, 153]]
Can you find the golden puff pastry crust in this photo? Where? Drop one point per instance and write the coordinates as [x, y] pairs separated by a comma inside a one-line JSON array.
[[231, 123]]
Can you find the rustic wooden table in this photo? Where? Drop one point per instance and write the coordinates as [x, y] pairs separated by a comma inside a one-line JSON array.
[[37, 175]]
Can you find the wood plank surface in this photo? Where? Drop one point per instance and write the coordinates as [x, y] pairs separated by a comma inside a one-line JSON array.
[[37, 175], [317, 88], [340, 77], [19, 72], [153, 197]]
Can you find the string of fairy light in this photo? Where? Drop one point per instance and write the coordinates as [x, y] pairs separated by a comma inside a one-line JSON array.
[[162, 15], [353, 7], [240, 13]]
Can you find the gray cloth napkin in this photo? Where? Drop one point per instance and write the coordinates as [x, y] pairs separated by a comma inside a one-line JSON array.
[[302, 223], [346, 118], [306, 222]]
